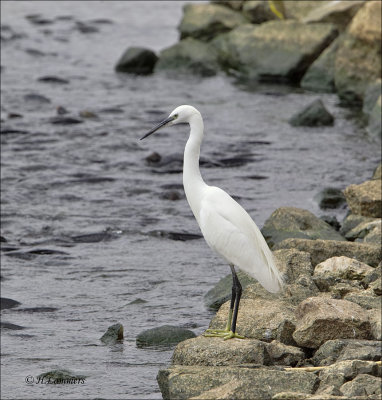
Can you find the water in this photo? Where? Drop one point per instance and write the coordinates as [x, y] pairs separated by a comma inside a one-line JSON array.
[[62, 182]]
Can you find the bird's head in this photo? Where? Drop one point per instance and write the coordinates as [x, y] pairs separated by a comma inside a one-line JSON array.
[[181, 115]]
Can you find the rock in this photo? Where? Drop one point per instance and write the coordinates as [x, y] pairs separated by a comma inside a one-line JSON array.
[[365, 199], [37, 98], [320, 75], [351, 221], [59, 376], [291, 222], [375, 125], [189, 56], [342, 267], [113, 334], [372, 276], [291, 396], [257, 12], [347, 349], [320, 250], [274, 50], [8, 303], [261, 319], [330, 198], [205, 21], [60, 120], [320, 319], [377, 172], [339, 13], [314, 114], [364, 298], [12, 327], [233, 4], [281, 354], [222, 291], [332, 221], [376, 286], [372, 93], [165, 335], [213, 351], [137, 60], [358, 60], [53, 79], [184, 382], [376, 324], [362, 385], [364, 229]]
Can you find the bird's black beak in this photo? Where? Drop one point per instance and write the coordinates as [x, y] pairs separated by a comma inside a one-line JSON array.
[[160, 125]]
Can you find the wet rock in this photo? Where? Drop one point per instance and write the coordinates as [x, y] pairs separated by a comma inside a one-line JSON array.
[[205, 21], [13, 115], [362, 385], [8, 303], [113, 334], [291, 222], [37, 98], [86, 28], [213, 351], [332, 221], [137, 301], [342, 267], [320, 250], [182, 236], [61, 110], [365, 199], [59, 375], [60, 120], [274, 50], [320, 319], [53, 79], [165, 335], [184, 382], [364, 230], [358, 57], [351, 221], [222, 291], [171, 195], [87, 114], [340, 13], [189, 56], [320, 75], [258, 12], [314, 114], [137, 60], [261, 319], [347, 349], [375, 126], [38, 19], [153, 159], [95, 237], [377, 174], [12, 327], [330, 198], [281, 354], [37, 309]]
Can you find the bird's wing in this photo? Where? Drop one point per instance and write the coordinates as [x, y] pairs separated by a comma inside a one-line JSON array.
[[231, 232]]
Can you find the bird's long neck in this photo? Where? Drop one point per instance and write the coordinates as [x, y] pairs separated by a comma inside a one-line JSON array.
[[192, 180]]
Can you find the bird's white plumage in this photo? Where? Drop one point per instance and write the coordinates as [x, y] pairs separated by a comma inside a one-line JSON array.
[[226, 226]]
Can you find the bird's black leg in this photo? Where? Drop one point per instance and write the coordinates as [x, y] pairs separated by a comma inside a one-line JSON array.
[[236, 295]]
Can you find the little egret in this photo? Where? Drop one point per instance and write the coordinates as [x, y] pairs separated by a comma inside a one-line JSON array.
[[226, 226]]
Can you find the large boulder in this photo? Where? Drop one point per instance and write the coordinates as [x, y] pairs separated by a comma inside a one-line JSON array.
[[339, 13], [165, 335], [274, 50], [291, 222], [226, 382], [320, 319], [189, 56], [365, 199], [320, 250], [137, 60], [205, 21], [313, 114], [358, 59], [351, 221], [362, 385], [363, 230]]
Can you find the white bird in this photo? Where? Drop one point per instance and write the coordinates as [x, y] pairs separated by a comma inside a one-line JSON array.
[[226, 226]]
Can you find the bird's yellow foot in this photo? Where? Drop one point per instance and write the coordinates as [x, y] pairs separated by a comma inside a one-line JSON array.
[[223, 333]]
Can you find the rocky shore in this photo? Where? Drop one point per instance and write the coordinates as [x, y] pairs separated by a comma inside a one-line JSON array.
[[318, 339]]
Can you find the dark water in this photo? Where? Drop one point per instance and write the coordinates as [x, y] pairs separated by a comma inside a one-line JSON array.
[[88, 217]]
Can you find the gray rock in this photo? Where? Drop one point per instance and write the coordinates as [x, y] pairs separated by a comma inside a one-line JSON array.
[[364, 229], [365, 299], [189, 56], [320, 75], [185, 382], [165, 335], [8, 303], [281, 354], [274, 50], [205, 21], [291, 222], [137, 60], [257, 12], [377, 174], [375, 126], [113, 334], [321, 319], [365, 199], [10, 326], [330, 198], [351, 221], [61, 375], [314, 114], [320, 250], [213, 351], [347, 349], [362, 385], [372, 93], [222, 291]]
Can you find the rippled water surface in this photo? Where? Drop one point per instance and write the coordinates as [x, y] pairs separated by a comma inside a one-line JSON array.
[[90, 224]]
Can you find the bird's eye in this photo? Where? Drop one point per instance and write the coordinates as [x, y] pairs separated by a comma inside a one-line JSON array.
[[175, 116]]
